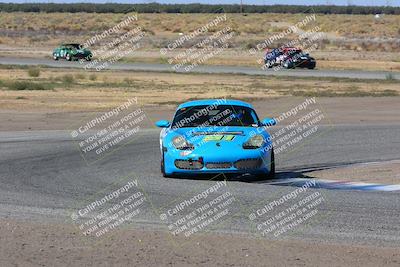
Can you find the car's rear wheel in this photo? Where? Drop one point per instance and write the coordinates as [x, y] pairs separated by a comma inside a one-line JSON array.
[[55, 57], [68, 57]]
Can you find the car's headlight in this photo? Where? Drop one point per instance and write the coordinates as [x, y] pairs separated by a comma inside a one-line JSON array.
[[256, 141], [181, 143]]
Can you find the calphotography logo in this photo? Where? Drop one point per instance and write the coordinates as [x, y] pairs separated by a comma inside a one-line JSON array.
[[303, 123], [199, 46], [291, 47], [200, 133], [110, 211], [199, 211], [287, 212], [110, 130], [116, 44]]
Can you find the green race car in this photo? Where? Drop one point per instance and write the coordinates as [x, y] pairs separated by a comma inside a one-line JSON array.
[[72, 52]]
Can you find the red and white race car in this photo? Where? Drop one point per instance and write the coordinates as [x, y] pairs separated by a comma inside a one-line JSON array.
[[289, 58]]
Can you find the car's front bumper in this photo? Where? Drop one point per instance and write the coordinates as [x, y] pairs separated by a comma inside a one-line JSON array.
[[253, 161]]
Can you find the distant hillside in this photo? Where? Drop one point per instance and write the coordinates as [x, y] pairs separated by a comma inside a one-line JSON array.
[[193, 8]]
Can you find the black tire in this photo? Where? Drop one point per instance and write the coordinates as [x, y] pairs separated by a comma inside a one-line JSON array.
[[287, 65], [68, 57], [162, 166], [55, 57], [269, 64], [271, 174]]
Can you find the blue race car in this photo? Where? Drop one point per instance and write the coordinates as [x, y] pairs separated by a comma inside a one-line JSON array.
[[216, 136]]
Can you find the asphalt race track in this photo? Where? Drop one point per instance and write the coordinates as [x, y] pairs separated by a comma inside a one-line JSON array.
[[43, 177], [355, 74]]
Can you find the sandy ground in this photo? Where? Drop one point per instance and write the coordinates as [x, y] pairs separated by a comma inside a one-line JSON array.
[[66, 91], [338, 110], [38, 244], [375, 172]]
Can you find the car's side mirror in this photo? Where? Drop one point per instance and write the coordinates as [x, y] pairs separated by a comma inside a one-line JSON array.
[[268, 122], [162, 124]]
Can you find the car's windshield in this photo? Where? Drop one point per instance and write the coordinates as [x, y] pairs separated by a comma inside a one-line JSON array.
[[294, 52], [73, 46], [273, 54], [213, 115]]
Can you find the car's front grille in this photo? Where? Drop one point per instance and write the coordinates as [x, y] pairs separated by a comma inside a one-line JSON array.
[[247, 164], [218, 165], [243, 164], [188, 164]]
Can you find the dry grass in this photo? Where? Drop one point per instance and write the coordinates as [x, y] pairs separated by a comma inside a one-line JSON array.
[[351, 32], [111, 88], [351, 41], [260, 24]]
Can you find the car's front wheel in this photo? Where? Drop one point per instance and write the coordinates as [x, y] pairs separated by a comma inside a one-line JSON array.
[[164, 174], [68, 57], [163, 166], [271, 174], [288, 65], [269, 64], [55, 57]]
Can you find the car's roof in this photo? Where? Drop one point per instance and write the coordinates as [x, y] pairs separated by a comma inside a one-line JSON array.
[[209, 102], [71, 44]]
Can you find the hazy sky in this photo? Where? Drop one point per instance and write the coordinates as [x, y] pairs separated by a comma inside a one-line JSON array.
[[254, 2]]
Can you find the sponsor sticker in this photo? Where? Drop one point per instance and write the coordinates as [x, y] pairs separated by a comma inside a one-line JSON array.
[[218, 137]]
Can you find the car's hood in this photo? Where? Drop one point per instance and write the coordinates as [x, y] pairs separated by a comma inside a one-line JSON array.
[[207, 135], [237, 130]]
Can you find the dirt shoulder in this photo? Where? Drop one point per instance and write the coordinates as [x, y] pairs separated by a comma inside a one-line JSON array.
[[59, 98], [34, 244], [387, 172]]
